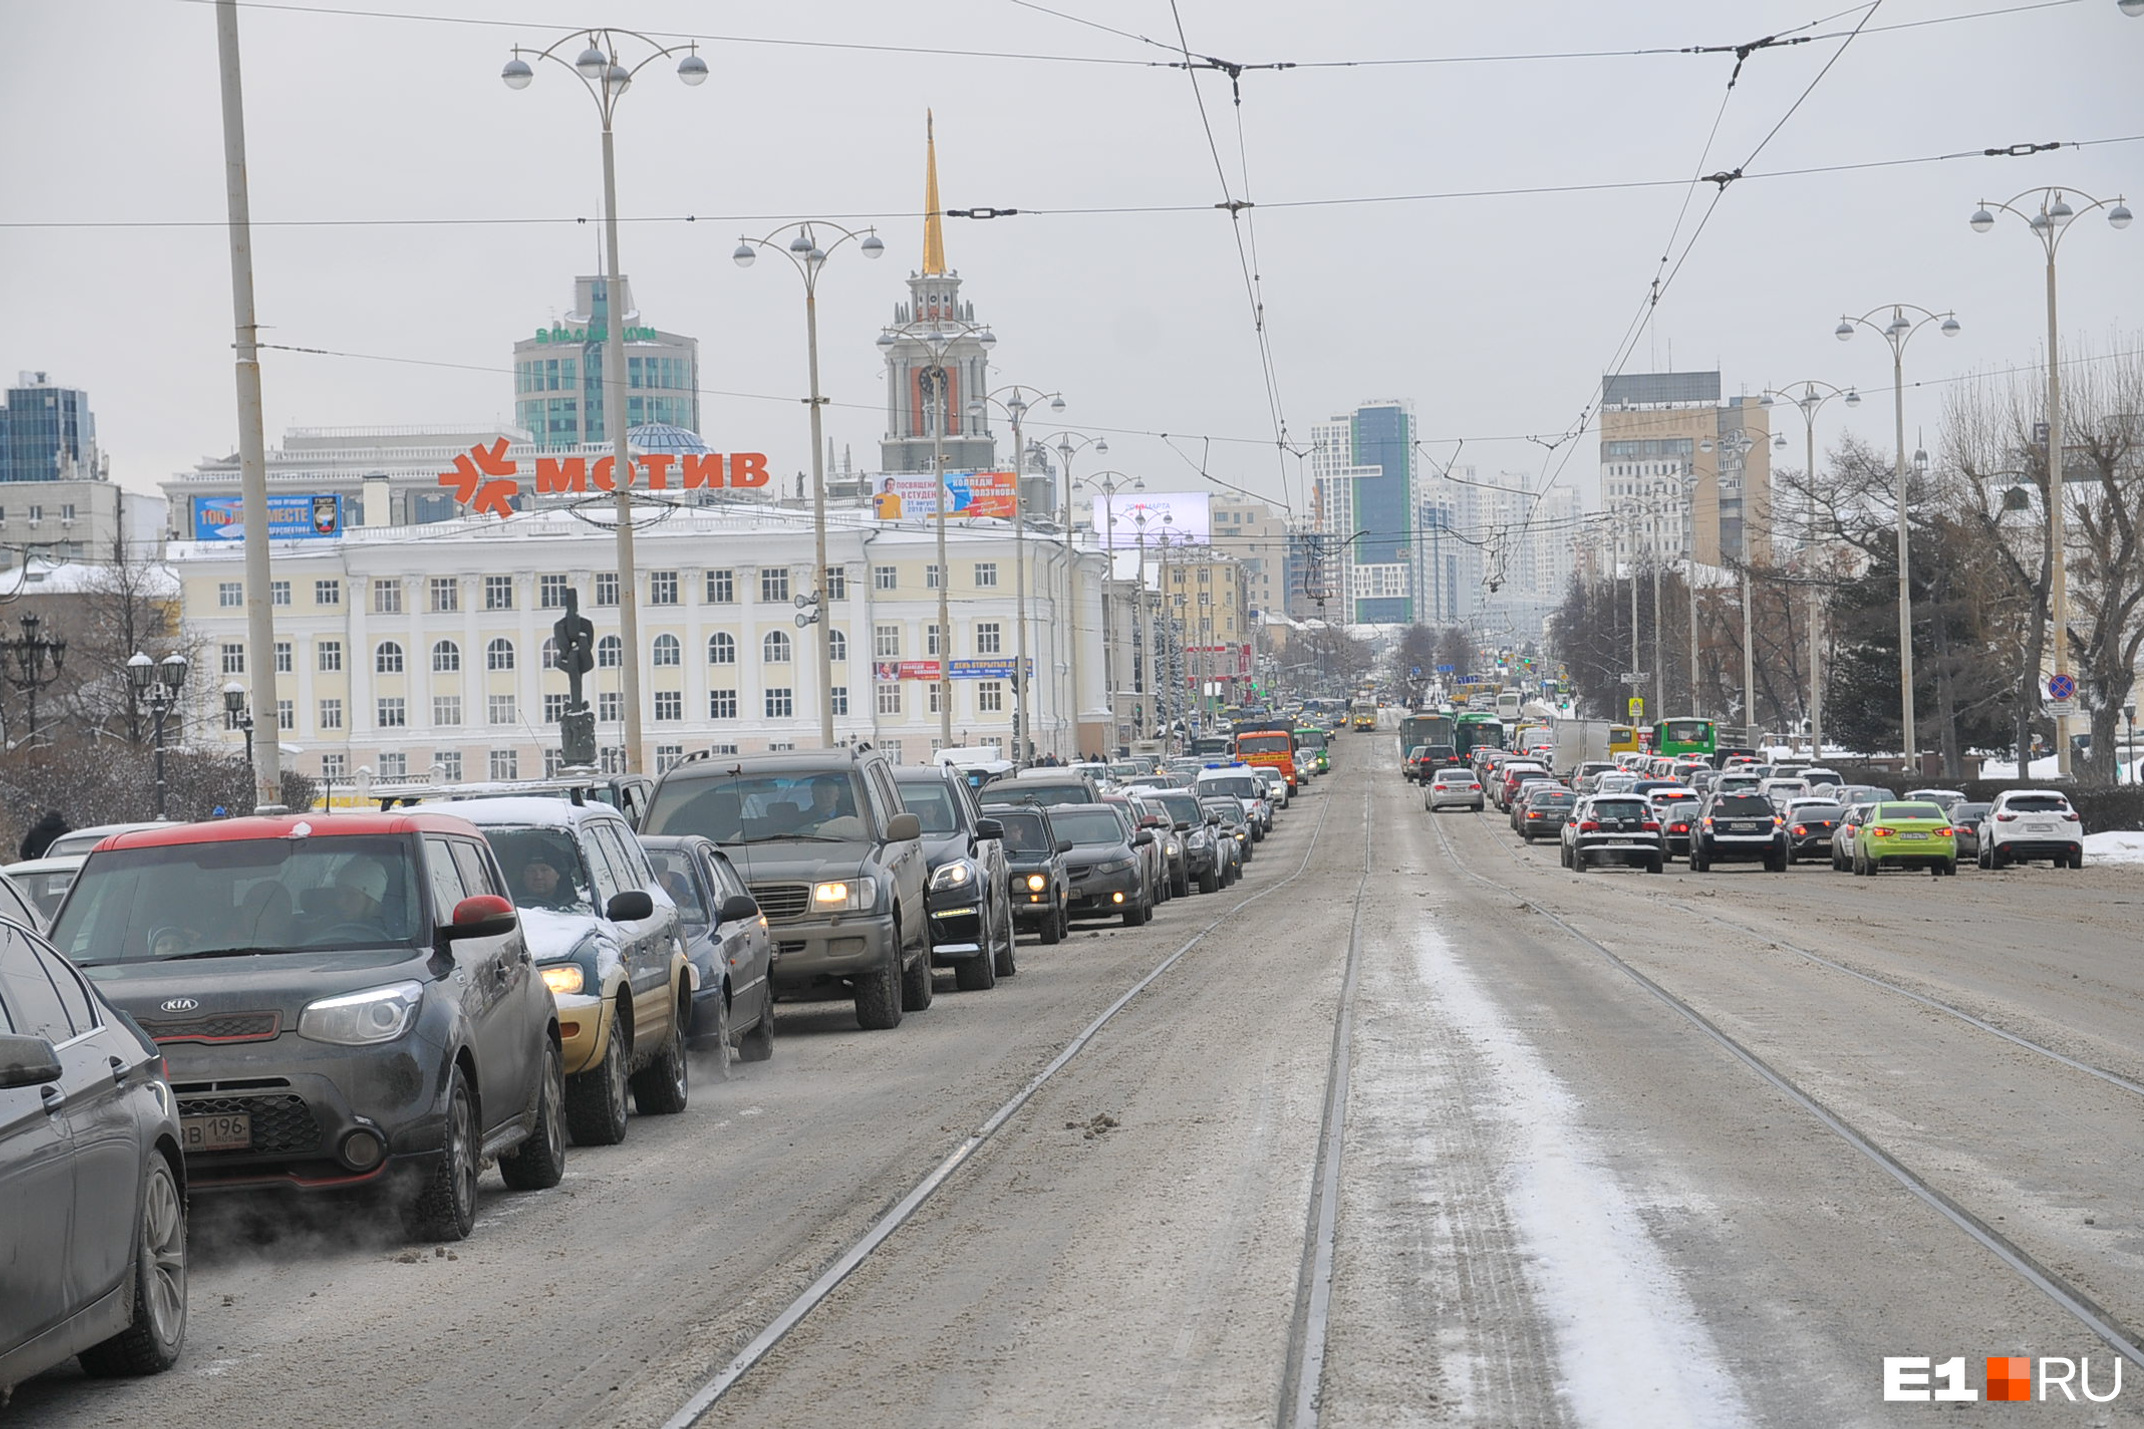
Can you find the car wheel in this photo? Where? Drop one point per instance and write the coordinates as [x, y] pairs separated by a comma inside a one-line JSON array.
[[758, 1044], [1180, 885], [595, 1099], [878, 993], [979, 973], [1053, 929], [444, 1207], [1862, 869], [152, 1343], [663, 1086], [539, 1163], [2000, 858], [1210, 878], [1007, 956], [1135, 914], [917, 987], [1775, 863], [1578, 862], [1656, 864]]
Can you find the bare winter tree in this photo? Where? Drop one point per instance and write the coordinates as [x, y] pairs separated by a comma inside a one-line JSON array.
[[128, 604]]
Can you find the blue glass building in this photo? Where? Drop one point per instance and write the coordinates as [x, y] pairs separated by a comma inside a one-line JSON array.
[[46, 433], [1385, 511]]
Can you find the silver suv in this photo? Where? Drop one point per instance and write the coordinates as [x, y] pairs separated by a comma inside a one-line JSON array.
[[835, 861]]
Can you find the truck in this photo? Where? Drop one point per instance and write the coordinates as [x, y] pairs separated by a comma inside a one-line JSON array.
[[1578, 741]]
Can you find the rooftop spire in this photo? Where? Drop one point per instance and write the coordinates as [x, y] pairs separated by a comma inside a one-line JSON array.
[[933, 224]]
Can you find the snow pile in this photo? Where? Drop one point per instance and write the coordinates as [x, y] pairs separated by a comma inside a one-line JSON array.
[[2041, 769], [2115, 846]]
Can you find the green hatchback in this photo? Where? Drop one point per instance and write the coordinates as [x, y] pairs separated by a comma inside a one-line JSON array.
[[1906, 836]]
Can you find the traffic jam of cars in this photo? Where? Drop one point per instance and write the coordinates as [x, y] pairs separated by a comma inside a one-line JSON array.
[[1608, 807], [376, 1003]]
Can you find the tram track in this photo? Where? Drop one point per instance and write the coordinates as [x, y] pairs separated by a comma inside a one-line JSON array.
[[2064, 1294]]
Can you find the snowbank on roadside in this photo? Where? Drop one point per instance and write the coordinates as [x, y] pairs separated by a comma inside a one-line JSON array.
[[2115, 846], [1999, 769]]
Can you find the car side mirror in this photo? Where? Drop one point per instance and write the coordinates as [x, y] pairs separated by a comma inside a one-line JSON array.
[[1064, 845], [1142, 838], [738, 908], [1181, 826], [482, 915], [902, 827], [1213, 820], [630, 906], [27, 1062], [989, 829]]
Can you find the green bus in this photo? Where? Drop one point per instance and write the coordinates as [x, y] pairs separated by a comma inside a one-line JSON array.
[[1474, 729], [1686, 736]]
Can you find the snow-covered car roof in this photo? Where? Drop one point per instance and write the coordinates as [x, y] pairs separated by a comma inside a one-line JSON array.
[[535, 811]]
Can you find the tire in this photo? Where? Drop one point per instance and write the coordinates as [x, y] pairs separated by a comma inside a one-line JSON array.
[[1008, 958], [1136, 915], [1578, 862], [1053, 929], [1998, 858], [977, 974], [1981, 858], [595, 1099], [2077, 860], [758, 1044], [539, 1163], [444, 1207], [1775, 863], [1862, 867], [878, 996], [152, 1343], [663, 1087], [917, 986], [1210, 880], [1657, 865], [1180, 885]]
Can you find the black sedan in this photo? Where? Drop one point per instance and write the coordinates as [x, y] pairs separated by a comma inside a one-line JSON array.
[[1035, 871], [1965, 822], [92, 1180], [1809, 830], [727, 943], [1104, 865], [1540, 812]]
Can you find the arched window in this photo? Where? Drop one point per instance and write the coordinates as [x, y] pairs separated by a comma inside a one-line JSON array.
[[446, 658], [499, 655], [610, 652], [774, 650], [387, 659], [668, 651], [837, 646], [721, 648], [550, 653]]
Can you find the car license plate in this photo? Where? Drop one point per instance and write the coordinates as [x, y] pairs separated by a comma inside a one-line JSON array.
[[2039, 828], [1741, 828], [217, 1133], [1913, 836]]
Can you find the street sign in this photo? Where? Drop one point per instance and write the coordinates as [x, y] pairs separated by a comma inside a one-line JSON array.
[[2061, 687], [1637, 679], [2062, 709], [1637, 708]]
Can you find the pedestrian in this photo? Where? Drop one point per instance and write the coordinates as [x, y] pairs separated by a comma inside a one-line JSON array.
[[42, 833]]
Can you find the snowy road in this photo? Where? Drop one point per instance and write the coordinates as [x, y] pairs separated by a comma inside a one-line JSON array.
[[1562, 1201]]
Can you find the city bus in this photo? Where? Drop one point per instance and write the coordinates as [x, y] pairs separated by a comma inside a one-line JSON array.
[[1475, 729], [1424, 727], [1700, 737], [1273, 748], [1622, 737]]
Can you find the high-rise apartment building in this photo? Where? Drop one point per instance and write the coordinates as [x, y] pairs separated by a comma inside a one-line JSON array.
[[1683, 474], [558, 373], [1257, 536], [1363, 464], [48, 433]]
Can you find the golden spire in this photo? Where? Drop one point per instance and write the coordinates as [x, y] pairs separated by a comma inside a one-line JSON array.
[[933, 224]]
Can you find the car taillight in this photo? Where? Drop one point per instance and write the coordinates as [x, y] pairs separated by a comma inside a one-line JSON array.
[[1801, 829], [2066, 814], [1946, 833], [1708, 821], [1651, 826], [1531, 814], [1589, 827], [1881, 832], [2005, 818]]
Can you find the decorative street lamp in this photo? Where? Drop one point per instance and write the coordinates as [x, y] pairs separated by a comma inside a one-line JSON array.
[[234, 706], [937, 337], [1014, 400], [1811, 401], [1068, 445], [607, 78], [1898, 332], [33, 652], [1109, 483], [2049, 222], [158, 682], [808, 258]]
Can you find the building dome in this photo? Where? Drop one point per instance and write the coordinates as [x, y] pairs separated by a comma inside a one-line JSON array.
[[662, 437]]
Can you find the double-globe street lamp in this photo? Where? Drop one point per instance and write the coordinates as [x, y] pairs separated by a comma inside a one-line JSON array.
[[1812, 399], [1107, 484], [807, 256], [606, 77], [937, 336], [1897, 333], [157, 682], [1014, 400], [1067, 446], [36, 663], [236, 714], [2049, 221]]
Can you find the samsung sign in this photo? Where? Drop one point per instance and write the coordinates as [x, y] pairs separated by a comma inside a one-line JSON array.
[[290, 518]]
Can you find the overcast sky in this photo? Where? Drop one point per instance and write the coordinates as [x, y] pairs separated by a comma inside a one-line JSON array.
[[1495, 315]]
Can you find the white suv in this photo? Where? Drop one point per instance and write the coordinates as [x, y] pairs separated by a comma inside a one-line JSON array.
[[2031, 823]]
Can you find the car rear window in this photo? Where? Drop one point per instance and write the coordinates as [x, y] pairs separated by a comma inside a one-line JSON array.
[[1911, 811], [1620, 809], [2038, 804], [1820, 812], [1022, 791], [1742, 806]]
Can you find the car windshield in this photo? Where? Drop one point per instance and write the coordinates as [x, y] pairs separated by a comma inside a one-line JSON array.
[[238, 896], [1620, 809], [1241, 786], [764, 808], [1027, 833], [1910, 811], [1230, 811], [1089, 826], [932, 804], [2037, 804], [1742, 806], [673, 869], [544, 867]]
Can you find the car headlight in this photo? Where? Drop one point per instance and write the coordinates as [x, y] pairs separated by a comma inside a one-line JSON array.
[[357, 1019], [1037, 882], [1115, 865], [956, 874], [848, 895], [1175, 848], [564, 978]]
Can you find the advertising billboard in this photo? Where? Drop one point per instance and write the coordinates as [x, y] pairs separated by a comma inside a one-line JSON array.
[[969, 493], [1186, 517], [290, 518]]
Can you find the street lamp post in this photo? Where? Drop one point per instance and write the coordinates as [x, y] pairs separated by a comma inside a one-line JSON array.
[[1897, 333], [1811, 401], [607, 79], [2049, 222], [38, 658], [937, 336], [1109, 483], [241, 718], [158, 682], [1014, 400], [805, 254], [1070, 444]]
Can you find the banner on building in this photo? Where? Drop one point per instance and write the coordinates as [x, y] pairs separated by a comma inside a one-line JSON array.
[[1179, 518], [1215, 659], [968, 493], [927, 670], [290, 518]]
